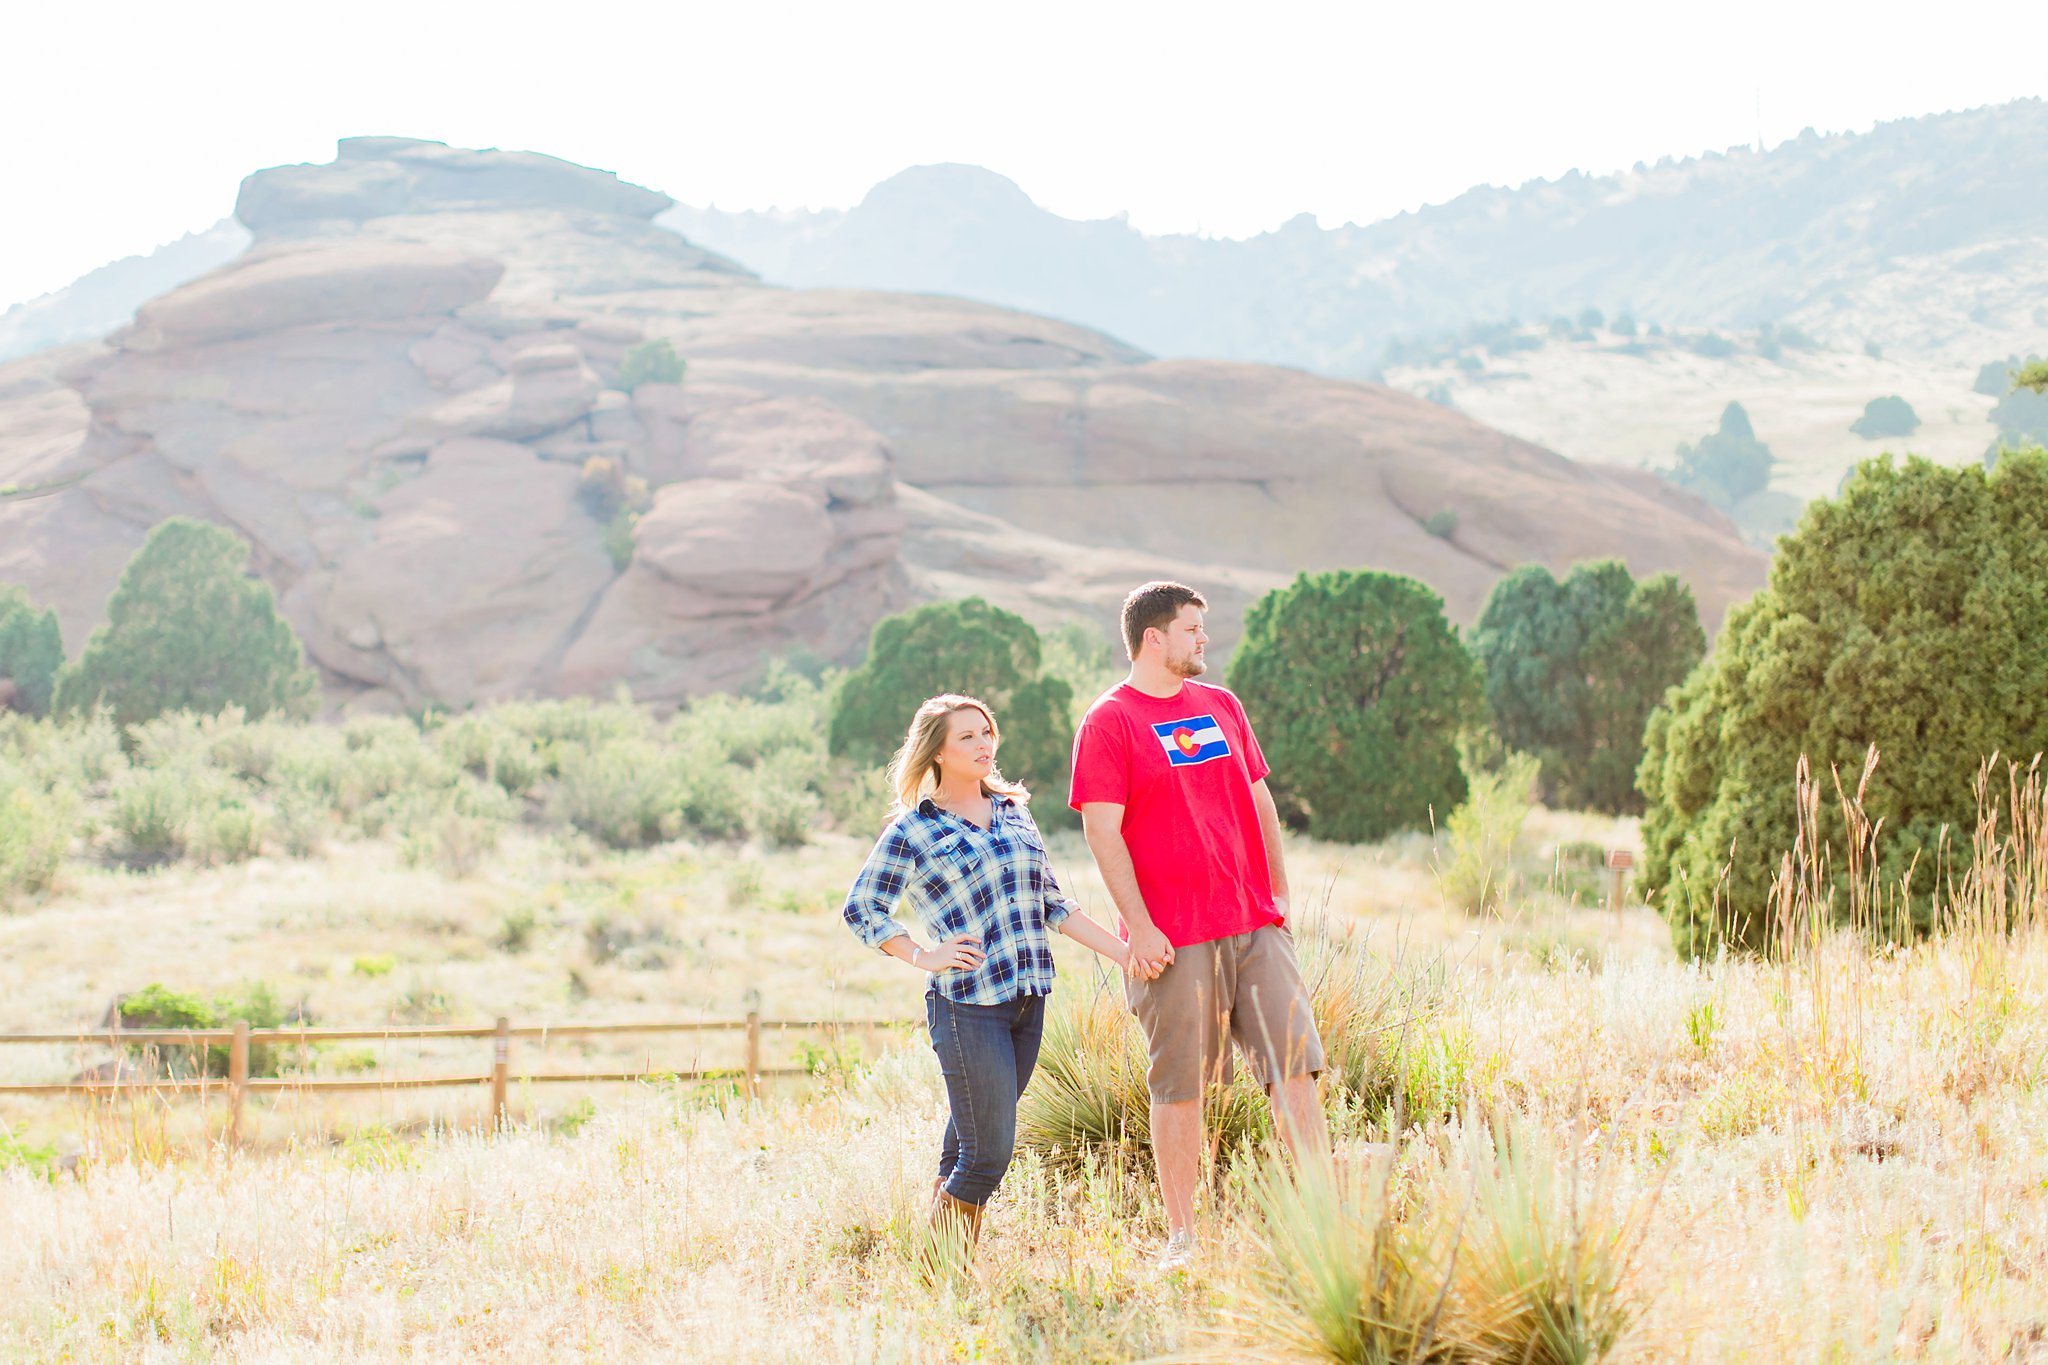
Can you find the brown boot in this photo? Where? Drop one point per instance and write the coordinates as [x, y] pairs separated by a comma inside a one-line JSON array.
[[948, 1212]]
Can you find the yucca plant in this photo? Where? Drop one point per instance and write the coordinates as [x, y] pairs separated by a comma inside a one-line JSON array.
[[1337, 1274], [1088, 1098], [1542, 1278]]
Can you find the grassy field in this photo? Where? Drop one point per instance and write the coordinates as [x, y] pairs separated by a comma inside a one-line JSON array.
[[1833, 1157]]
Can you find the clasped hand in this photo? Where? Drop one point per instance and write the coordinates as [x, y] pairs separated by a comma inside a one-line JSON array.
[[1149, 954]]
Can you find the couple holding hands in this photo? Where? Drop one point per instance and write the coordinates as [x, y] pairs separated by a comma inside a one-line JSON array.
[[1171, 788]]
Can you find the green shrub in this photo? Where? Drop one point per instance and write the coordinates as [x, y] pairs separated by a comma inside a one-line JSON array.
[[189, 630], [711, 797], [485, 745], [17, 1153], [381, 772], [1573, 670], [302, 818], [152, 816], [619, 792], [1890, 416], [1358, 688], [516, 928], [229, 830], [31, 651], [1475, 864], [965, 646], [1443, 525], [651, 362], [783, 808], [1906, 614], [157, 1006], [35, 832]]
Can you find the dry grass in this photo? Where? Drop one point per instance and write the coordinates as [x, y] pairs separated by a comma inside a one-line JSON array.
[[1844, 1149]]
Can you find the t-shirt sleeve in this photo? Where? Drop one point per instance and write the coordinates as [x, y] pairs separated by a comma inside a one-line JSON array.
[[1102, 770], [1254, 758]]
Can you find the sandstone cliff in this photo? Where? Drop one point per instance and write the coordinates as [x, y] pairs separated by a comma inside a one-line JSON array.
[[395, 395]]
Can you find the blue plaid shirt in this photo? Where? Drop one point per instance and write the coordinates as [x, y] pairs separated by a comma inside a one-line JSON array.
[[958, 878]]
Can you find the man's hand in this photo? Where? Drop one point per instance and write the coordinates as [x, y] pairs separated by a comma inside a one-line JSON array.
[[1280, 908], [1150, 953]]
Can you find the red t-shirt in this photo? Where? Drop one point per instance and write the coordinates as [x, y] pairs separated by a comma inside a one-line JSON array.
[[1182, 767]]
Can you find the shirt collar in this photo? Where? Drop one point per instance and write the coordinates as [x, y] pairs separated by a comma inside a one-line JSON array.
[[930, 807]]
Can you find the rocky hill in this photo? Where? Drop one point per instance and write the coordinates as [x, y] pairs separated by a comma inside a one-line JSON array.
[[407, 394], [1803, 282]]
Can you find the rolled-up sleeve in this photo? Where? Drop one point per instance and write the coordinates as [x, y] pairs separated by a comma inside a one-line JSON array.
[[1056, 904], [878, 887]]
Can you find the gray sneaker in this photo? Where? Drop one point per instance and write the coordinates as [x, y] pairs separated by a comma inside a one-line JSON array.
[[1178, 1252]]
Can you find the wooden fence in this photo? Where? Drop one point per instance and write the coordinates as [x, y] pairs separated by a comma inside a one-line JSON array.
[[239, 1038]]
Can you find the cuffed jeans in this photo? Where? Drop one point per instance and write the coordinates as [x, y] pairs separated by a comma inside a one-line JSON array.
[[986, 1053]]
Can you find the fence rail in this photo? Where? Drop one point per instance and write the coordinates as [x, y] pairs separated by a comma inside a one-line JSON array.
[[239, 1038]]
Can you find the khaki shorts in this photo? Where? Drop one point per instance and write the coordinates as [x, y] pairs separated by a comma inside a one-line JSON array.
[[1246, 987]]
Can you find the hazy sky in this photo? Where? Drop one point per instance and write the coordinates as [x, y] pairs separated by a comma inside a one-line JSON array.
[[125, 125]]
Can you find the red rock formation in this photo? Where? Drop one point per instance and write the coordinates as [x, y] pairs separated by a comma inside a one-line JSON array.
[[395, 393]]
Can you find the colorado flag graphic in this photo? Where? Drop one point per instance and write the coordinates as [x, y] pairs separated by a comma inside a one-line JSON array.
[[1194, 740]]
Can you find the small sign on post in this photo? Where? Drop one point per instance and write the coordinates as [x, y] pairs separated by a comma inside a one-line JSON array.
[[1619, 861]]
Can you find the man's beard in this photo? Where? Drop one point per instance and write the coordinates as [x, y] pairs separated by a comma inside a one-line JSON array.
[[1188, 665]]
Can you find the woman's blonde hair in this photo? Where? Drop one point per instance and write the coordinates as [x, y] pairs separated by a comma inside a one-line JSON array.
[[914, 772]]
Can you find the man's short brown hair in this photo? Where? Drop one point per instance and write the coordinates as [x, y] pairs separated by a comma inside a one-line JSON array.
[[1152, 606]]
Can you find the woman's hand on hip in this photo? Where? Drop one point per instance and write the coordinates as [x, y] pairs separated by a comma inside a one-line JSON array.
[[960, 953]]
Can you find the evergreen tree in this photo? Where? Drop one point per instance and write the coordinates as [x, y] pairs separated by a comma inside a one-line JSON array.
[[971, 647], [31, 651], [1908, 613], [1573, 669], [1728, 465], [189, 629], [1358, 689]]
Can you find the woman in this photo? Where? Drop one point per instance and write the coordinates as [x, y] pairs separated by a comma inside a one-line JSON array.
[[962, 848]]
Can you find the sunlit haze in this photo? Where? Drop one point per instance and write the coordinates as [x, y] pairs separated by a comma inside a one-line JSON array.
[[131, 124]]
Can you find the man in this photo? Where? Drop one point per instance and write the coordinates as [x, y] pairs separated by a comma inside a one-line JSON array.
[[1172, 792]]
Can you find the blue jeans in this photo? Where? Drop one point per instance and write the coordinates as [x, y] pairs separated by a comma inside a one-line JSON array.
[[986, 1053]]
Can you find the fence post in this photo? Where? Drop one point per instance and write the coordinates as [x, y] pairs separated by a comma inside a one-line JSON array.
[[501, 1069], [238, 1080], [752, 1079]]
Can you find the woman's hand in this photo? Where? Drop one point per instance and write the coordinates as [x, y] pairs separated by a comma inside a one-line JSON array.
[[960, 953]]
